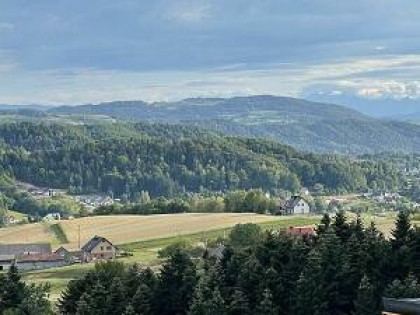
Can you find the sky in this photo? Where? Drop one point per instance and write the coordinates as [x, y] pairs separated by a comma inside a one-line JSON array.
[[89, 51]]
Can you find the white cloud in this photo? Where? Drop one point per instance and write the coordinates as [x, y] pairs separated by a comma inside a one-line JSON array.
[[189, 11], [6, 26]]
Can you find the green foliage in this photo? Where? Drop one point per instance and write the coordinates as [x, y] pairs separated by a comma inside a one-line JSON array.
[[168, 160], [407, 288], [244, 235], [346, 269], [367, 302], [18, 298]]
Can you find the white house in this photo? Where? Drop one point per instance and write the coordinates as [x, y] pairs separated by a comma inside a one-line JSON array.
[[295, 205]]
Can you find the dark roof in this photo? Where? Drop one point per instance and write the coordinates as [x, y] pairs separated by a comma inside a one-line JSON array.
[[89, 246], [292, 202], [61, 249], [16, 249], [39, 258]]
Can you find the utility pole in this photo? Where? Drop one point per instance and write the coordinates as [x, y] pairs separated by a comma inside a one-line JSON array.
[[78, 235]]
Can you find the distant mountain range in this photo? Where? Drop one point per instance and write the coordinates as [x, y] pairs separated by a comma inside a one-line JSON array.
[[309, 126], [378, 107]]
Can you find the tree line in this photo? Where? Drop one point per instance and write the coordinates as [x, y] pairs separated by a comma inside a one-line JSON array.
[[345, 269], [172, 160]]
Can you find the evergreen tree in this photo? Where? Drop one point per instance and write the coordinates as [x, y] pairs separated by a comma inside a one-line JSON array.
[[239, 304], [129, 310], [142, 302], [116, 299], [94, 302], [415, 253], [14, 289], [403, 231], [266, 306], [367, 302], [341, 227], [176, 284], [206, 302], [324, 224]]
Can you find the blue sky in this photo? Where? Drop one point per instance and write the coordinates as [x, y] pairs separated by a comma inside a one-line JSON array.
[[88, 51]]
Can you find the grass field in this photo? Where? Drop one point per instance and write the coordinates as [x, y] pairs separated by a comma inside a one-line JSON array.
[[126, 228]]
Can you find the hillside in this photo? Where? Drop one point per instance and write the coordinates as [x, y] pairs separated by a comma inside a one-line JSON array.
[[171, 160], [310, 126]]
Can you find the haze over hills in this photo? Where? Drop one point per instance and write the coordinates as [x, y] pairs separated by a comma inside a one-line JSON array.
[[310, 126]]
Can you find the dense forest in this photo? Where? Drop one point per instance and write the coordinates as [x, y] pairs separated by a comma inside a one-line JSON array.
[[345, 269], [169, 160], [309, 126]]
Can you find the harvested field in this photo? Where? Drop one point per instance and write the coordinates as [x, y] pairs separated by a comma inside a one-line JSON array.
[[128, 228], [132, 228]]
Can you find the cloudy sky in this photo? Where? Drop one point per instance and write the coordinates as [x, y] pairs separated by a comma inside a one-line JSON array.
[[88, 51]]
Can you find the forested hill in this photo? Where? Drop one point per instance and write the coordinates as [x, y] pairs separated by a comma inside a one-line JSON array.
[[168, 160], [310, 126]]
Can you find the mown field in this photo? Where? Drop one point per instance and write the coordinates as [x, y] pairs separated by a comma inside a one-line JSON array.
[[125, 229]]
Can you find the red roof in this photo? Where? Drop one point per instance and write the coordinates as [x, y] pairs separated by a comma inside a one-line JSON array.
[[301, 230]]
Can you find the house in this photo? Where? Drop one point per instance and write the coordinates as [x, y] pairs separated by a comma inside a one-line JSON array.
[[10, 220], [305, 191], [98, 248], [62, 251], [295, 205], [39, 261], [301, 230], [52, 217]]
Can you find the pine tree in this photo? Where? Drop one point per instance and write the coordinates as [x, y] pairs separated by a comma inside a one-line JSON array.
[[94, 302], [14, 289], [324, 225], [239, 304], [403, 230], [341, 227], [176, 284], [367, 302], [142, 301], [415, 253], [129, 310], [116, 300], [266, 306], [207, 302]]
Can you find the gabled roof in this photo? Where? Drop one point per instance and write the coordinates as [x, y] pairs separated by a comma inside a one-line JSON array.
[[292, 202], [61, 249], [89, 246], [16, 249]]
